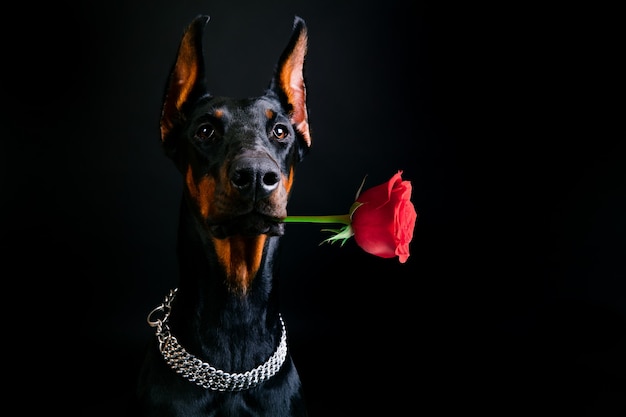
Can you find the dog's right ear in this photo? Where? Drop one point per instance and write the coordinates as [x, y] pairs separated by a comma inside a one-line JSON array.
[[288, 82], [186, 83]]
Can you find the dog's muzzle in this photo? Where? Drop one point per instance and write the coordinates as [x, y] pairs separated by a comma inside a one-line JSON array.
[[257, 203]]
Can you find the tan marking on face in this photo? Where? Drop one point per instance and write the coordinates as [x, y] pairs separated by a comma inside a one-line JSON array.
[[288, 181], [226, 186], [240, 256], [201, 192], [269, 113], [219, 113]]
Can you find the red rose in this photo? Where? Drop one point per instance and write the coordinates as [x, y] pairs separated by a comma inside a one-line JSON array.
[[381, 220], [384, 220]]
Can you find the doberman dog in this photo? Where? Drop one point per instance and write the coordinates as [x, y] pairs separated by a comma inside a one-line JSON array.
[[221, 346]]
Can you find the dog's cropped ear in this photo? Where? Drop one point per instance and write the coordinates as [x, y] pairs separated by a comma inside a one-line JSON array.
[[288, 81], [186, 81]]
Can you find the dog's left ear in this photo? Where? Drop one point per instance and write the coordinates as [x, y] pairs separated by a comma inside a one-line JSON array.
[[185, 84], [288, 81]]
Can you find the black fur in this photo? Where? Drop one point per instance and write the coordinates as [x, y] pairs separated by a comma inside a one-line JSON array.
[[236, 159]]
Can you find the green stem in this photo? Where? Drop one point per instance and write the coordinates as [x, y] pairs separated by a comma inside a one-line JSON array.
[[339, 218]]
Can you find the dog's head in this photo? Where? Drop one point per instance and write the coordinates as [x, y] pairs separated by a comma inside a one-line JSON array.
[[237, 156]]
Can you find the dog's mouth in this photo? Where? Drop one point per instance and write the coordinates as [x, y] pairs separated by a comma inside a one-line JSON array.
[[250, 224]]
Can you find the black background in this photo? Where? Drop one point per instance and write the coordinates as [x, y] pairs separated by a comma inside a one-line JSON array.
[[502, 117]]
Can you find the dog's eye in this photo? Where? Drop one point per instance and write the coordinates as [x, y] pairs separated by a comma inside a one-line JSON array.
[[205, 131], [280, 131]]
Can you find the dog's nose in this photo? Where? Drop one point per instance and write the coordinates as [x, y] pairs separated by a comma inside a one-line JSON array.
[[254, 177]]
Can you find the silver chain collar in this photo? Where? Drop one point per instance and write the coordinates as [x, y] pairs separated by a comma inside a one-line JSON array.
[[202, 373]]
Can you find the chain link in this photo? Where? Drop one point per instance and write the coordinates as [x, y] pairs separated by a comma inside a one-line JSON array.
[[202, 373]]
